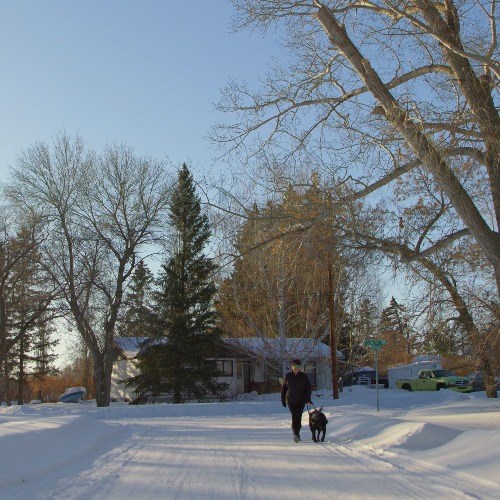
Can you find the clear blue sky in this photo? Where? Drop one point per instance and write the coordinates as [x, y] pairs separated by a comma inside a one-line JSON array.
[[142, 72]]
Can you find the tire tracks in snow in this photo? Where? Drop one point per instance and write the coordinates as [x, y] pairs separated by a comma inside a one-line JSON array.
[[250, 458], [414, 479]]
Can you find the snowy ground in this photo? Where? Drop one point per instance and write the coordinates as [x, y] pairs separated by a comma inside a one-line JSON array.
[[419, 445]]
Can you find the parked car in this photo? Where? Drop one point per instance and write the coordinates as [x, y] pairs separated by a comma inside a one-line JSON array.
[[364, 376], [478, 381], [435, 380], [73, 395]]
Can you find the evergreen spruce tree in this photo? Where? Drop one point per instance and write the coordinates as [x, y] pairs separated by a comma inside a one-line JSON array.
[[393, 319], [43, 357], [394, 328], [366, 322], [179, 359], [138, 318]]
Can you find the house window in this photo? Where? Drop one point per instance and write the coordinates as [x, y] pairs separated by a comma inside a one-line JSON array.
[[311, 373], [225, 366]]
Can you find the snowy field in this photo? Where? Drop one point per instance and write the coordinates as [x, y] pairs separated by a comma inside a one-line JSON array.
[[441, 445]]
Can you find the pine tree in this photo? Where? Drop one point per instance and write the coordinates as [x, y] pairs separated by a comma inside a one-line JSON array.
[[394, 328], [366, 321], [34, 359], [44, 358], [395, 323], [179, 359], [138, 319], [25, 298]]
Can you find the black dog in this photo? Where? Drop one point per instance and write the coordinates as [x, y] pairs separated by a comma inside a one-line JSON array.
[[317, 424]]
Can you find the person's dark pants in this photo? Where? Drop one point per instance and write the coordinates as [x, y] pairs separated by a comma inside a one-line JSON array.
[[296, 410]]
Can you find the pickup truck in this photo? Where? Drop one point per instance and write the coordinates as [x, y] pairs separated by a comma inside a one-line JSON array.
[[434, 380]]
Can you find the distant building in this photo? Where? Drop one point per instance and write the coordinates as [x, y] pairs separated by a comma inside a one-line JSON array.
[[247, 364], [265, 370]]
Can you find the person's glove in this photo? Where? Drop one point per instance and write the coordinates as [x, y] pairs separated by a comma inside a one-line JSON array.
[[284, 404]]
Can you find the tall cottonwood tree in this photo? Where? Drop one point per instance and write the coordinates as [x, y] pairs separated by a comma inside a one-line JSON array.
[[453, 270], [397, 85], [98, 213], [279, 288]]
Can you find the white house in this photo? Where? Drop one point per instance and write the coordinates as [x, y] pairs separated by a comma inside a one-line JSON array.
[[124, 367], [247, 364], [231, 365], [270, 355]]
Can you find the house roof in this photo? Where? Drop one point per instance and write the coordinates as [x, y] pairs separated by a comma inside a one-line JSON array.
[[364, 369], [275, 348], [255, 346], [130, 346]]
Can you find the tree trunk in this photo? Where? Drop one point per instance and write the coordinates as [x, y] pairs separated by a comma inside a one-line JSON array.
[[21, 378], [333, 328], [477, 91], [177, 396], [103, 366], [488, 377], [282, 328], [7, 386], [86, 369], [479, 344]]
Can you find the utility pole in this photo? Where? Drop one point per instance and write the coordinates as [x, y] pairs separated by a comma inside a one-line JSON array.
[[333, 338]]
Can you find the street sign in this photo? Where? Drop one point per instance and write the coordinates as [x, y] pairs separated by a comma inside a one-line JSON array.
[[375, 343]]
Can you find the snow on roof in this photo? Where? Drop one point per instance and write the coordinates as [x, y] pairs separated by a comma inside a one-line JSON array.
[[130, 345], [427, 358], [270, 348], [273, 348]]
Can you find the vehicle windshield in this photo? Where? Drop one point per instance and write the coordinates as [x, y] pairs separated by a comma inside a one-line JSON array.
[[442, 373]]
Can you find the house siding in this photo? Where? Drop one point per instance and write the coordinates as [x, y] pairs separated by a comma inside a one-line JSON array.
[[123, 369]]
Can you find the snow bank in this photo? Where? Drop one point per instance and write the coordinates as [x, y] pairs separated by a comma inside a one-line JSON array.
[[40, 444], [446, 432]]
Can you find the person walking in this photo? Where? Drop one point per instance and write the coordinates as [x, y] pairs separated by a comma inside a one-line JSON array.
[[295, 393]]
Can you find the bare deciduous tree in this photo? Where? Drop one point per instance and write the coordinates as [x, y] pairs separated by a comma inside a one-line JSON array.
[[99, 213], [376, 89], [448, 267]]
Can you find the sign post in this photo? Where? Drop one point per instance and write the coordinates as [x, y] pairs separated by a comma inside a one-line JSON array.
[[375, 345]]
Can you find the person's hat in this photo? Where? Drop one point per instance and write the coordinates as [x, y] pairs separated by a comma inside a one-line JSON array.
[[296, 362]]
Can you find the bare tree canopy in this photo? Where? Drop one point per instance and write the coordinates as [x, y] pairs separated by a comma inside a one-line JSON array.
[[375, 89], [99, 212]]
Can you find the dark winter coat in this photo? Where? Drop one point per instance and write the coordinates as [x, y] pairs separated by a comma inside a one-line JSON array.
[[296, 389]]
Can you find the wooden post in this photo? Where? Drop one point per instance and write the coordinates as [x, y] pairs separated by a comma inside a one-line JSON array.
[[333, 338]]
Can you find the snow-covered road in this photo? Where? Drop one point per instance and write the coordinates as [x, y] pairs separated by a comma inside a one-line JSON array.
[[144, 453]]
